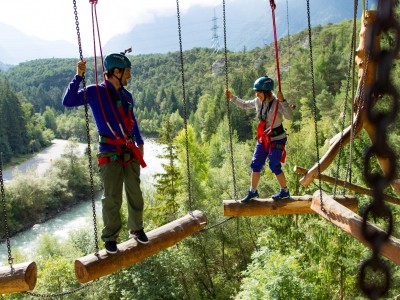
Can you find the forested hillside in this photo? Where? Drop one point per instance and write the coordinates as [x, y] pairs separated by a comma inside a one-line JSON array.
[[274, 257]]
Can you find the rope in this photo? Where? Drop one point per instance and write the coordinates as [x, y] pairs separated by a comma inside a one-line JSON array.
[[289, 44], [273, 7], [189, 188]]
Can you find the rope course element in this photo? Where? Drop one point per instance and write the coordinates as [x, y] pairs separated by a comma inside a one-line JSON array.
[[89, 148], [351, 66], [189, 185], [383, 87], [313, 95]]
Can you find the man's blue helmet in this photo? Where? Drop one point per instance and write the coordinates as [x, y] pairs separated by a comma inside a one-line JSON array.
[[263, 84], [116, 60]]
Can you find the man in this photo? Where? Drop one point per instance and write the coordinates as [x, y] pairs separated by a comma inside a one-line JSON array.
[[120, 145]]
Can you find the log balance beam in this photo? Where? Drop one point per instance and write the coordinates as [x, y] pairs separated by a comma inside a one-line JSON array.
[[348, 185], [91, 267], [351, 223], [18, 278], [293, 205]]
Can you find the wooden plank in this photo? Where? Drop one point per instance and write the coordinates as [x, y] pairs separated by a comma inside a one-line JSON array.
[[18, 278], [293, 205], [91, 267], [351, 223], [350, 186]]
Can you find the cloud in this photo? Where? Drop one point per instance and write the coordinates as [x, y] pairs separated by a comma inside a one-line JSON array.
[[55, 20]]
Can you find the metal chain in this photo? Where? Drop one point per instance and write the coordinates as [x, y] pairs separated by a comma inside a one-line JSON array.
[[61, 293], [3, 201], [314, 99], [346, 97], [381, 120], [89, 151], [189, 187], [228, 106]]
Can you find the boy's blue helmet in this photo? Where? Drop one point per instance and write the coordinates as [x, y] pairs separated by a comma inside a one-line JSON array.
[[116, 60], [263, 84]]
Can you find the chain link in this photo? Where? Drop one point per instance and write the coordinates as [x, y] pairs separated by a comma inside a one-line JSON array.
[[89, 148], [4, 204], [39, 295], [228, 106], [382, 88], [314, 100], [189, 186], [346, 97]]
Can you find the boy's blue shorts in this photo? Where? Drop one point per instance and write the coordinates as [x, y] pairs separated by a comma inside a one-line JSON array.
[[273, 154]]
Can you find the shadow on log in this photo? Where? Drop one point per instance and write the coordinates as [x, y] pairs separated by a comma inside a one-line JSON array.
[[293, 205], [18, 278], [91, 267], [351, 223]]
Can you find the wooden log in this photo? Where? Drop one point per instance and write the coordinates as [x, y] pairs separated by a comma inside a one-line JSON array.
[[350, 186], [294, 205], [351, 223], [18, 278], [91, 267]]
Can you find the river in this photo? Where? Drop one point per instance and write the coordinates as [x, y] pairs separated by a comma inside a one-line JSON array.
[[80, 215]]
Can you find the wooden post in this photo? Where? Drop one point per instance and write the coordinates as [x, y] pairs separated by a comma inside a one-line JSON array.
[[294, 205], [91, 267], [18, 278], [350, 186], [351, 223]]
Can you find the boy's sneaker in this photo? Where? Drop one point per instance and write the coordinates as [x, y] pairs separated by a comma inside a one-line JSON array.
[[250, 196], [111, 247], [139, 235], [282, 194]]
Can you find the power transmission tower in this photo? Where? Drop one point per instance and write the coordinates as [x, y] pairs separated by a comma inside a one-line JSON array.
[[215, 38]]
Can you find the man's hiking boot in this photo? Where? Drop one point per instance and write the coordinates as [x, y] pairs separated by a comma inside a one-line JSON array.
[[111, 247], [139, 235]]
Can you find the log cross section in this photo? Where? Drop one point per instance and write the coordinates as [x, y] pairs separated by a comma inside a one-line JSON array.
[[18, 278], [91, 267], [351, 223], [294, 205]]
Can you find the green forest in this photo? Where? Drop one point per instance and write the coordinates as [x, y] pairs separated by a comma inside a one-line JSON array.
[[267, 257]]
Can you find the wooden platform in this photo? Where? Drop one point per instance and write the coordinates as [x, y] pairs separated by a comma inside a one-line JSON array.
[[351, 223], [293, 205], [91, 267], [20, 278]]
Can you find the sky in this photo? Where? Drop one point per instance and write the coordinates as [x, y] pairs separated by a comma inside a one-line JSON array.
[[55, 20]]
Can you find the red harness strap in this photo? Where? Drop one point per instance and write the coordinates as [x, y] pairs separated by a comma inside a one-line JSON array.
[[130, 144], [266, 138]]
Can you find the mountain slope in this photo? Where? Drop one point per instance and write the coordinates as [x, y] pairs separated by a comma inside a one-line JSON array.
[[248, 25], [17, 47]]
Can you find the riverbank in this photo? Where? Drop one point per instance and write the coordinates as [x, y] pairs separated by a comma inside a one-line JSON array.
[[77, 212]]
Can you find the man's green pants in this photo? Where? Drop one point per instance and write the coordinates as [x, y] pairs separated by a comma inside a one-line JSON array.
[[116, 177]]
